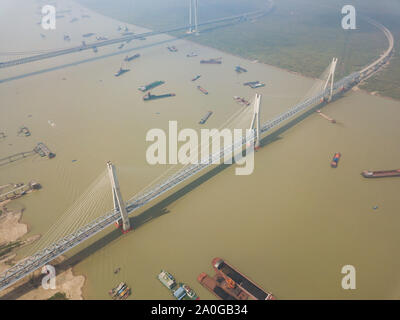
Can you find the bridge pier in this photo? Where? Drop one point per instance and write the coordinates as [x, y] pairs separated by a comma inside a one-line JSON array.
[[119, 204], [331, 79]]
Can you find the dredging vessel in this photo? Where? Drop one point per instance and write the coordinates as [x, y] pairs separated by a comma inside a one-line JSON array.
[[381, 174], [148, 96], [230, 284], [151, 85]]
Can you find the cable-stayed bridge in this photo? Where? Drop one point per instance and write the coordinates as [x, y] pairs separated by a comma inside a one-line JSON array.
[[325, 94]]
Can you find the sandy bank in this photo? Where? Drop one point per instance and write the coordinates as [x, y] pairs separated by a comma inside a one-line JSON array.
[[30, 287]]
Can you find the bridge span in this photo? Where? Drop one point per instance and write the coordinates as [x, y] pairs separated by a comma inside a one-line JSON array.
[[46, 255]]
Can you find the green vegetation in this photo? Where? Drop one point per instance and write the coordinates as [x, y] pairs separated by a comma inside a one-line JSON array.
[[299, 35], [58, 296]]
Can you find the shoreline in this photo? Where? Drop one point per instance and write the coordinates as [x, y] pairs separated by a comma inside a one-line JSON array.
[[11, 232]]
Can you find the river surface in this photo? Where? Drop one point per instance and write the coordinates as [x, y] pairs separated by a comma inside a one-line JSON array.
[[291, 225]]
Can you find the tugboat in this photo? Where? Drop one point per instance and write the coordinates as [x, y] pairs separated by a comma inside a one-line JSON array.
[[335, 160]]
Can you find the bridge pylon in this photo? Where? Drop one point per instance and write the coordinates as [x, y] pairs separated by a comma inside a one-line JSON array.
[[255, 121], [119, 204], [193, 9], [331, 78]]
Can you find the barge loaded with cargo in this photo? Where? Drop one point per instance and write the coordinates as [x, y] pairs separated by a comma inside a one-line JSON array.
[[211, 61], [381, 174], [148, 96], [135, 56], [151, 85], [230, 284], [202, 89], [205, 118]]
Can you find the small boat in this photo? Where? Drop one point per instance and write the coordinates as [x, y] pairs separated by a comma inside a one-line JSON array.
[[191, 55], [196, 77], [117, 270], [239, 69], [172, 49], [335, 160]]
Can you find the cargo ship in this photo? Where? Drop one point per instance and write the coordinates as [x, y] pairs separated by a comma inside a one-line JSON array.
[[235, 279], [381, 174], [196, 78], [211, 61], [335, 160], [151, 86], [202, 90], [254, 84], [121, 71], [205, 118], [148, 96], [167, 279], [218, 287], [242, 101], [87, 35], [132, 57], [239, 69]]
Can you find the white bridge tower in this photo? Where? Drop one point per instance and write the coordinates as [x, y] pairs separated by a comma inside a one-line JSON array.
[[255, 121], [193, 9], [331, 78], [119, 204]]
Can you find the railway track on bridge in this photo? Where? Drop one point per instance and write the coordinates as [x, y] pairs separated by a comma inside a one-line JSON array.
[[46, 255]]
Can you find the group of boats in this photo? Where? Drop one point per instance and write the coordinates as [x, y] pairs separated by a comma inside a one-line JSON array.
[[120, 292], [180, 291]]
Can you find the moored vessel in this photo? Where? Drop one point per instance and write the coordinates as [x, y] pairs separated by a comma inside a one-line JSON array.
[[148, 96], [135, 56], [236, 279], [335, 160], [167, 279], [211, 61], [151, 85], [381, 173]]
